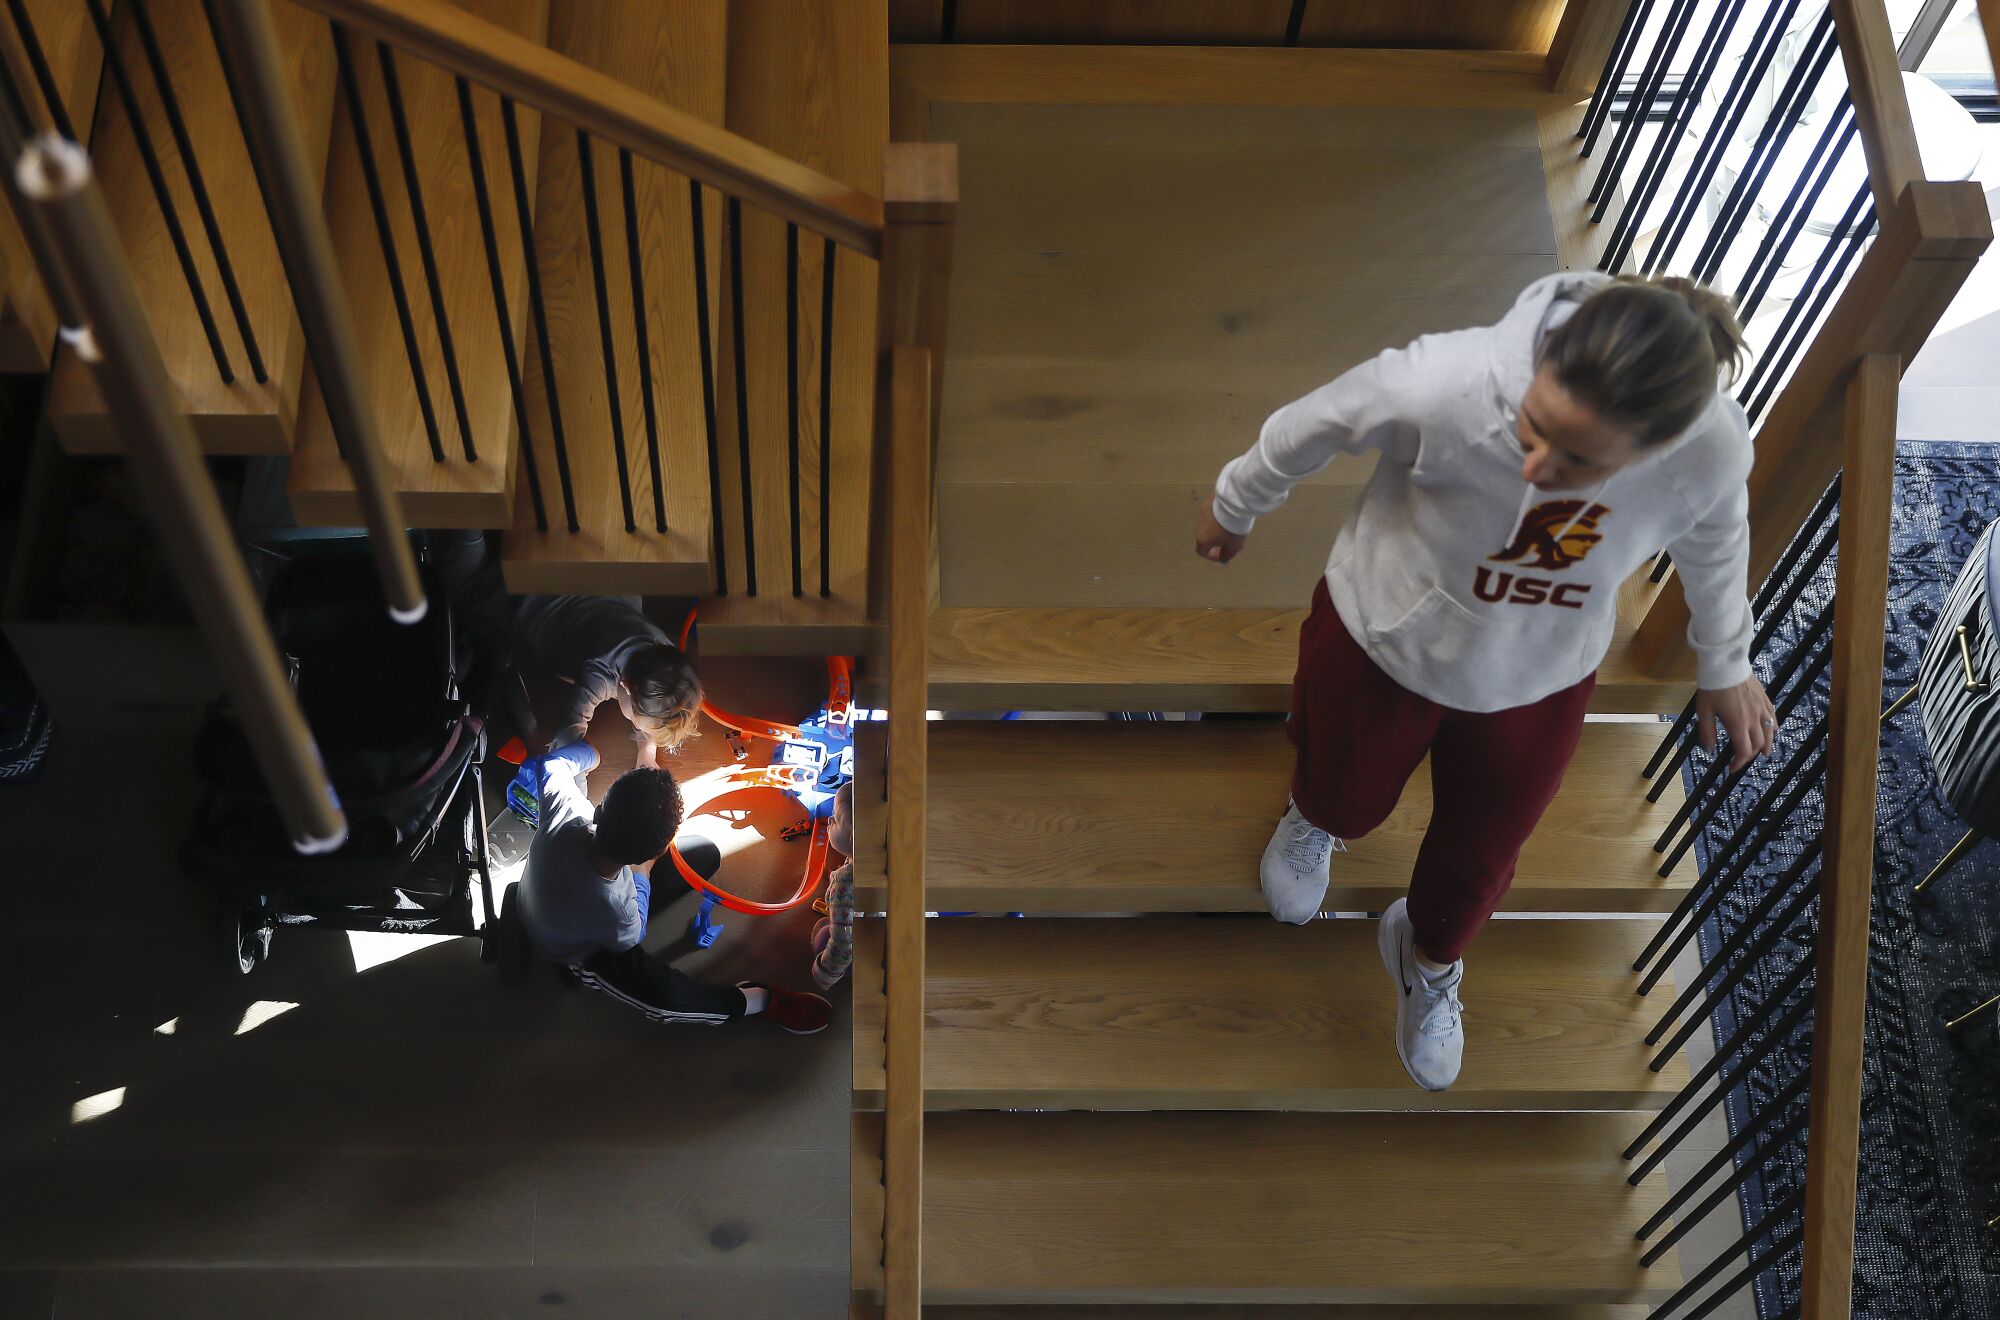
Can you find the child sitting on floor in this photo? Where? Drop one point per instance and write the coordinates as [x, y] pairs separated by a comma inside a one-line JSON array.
[[584, 902]]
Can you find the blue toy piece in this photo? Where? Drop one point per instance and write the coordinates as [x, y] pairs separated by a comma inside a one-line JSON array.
[[703, 929]]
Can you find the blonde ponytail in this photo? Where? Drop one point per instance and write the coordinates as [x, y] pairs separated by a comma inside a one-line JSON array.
[[1647, 353]]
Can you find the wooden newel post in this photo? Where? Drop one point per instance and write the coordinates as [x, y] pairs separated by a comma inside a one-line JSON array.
[[920, 214], [1840, 995]]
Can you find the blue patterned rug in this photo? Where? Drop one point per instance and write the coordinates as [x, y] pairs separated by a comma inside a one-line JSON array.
[[1930, 1142]]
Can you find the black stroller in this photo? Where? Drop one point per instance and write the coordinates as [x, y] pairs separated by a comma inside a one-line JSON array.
[[402, 747]]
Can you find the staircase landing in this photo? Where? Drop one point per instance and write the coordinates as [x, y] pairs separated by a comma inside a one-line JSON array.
[[1137, 287]]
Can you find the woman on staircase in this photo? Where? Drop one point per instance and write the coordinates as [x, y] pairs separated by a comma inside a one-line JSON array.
[[1526, 470]]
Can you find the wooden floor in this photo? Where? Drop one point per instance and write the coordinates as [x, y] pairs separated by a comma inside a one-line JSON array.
[[402, 1141], [1136, 288]]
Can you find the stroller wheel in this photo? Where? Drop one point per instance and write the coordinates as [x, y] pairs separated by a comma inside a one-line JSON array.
[[507, 944], [242, 936]]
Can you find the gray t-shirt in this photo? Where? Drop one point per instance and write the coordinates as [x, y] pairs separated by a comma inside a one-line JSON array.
[[568, 910], [585, 639]]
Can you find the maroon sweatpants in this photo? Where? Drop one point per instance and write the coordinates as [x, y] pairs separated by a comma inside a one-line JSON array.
[[1360, 735]]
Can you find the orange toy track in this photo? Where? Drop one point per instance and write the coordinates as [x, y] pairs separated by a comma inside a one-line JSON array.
[[781, 779]]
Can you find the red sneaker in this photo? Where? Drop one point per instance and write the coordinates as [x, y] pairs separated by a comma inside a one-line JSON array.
[[800, 1014]]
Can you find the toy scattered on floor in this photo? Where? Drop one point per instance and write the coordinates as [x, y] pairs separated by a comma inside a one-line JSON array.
[[810, 763]]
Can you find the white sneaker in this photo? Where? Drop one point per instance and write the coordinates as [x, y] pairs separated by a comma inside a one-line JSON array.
[[1430, 1037], [1294, 871]]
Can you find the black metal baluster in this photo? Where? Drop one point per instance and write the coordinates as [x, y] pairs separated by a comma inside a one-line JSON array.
[[1606, 95], [1686, 96], [1790, 221], [1779, 360], [524, 218], [420, 220], [1745, 1033], [1783, 675], [177, 124], [1706, 812], [827, 265], [792, 391], [1627, 138], [742, 395], [1817, 280], [1703, 897], [1758, 1261], [1763, 607], [1699, 821], [1785, 781], [502, 316], [1784, 906], [1753, 1131], [121, 80], [1729, 118], [22, 121], [364, 148], [613, 395], [1755, 1057], [636, 260], [705, 340], [38, 63], [1764, 154]]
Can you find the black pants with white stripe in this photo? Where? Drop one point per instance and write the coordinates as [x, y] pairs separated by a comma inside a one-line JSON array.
[[636, 977]]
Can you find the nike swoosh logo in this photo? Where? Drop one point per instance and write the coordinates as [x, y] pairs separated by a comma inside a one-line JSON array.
[[1403, 973]]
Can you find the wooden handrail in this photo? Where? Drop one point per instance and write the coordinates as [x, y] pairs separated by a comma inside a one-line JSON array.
[[56, 178], [1840, 975], [553, 84], [1881, 106], [909, 644], [1928, 245]]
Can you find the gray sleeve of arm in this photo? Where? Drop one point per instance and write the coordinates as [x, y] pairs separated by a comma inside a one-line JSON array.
[[597, 684]]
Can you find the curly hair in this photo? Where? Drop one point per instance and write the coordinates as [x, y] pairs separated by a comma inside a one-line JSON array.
[[665, 687], [639, 816]]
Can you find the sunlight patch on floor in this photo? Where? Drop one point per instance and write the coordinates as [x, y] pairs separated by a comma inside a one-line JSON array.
[[372, 948], [96, 1106], [264, 1010]]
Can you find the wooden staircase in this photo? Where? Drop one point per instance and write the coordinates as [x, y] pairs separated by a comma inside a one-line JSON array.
[[1128, 1105], [445, 489], [241, 414], [676, 54], [75, 61]]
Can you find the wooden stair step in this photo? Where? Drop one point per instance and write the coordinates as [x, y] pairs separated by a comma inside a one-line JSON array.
[[451, 492], [1244, 1013], [811, 82], [1075, 817], [68, 39], [675, 54], [242, 416], [1105, 658], [1415, 1209]]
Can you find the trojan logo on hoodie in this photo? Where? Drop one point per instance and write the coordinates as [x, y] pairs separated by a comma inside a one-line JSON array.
[[1552, 537]]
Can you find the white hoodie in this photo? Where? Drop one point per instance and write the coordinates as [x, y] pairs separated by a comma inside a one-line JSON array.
[[1463, 582]]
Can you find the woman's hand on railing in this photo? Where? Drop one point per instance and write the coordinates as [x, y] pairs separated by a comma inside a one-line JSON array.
[[1746, 715], [1213, 541]]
